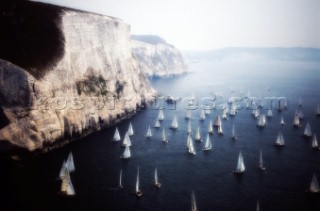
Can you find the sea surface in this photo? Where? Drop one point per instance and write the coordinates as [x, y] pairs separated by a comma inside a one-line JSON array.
[[33, 184]]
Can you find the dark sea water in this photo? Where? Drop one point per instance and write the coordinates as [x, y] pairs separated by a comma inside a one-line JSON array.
[[32, 184]]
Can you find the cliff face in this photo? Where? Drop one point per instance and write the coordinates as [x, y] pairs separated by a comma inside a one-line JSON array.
[[87, 80], [156, 58]]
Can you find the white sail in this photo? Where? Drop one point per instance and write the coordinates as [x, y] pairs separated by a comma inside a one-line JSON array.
[[217, 122], [188, 115], [240, 165], [210, 128], [257, 113], [120, 180], [116, 136], [261, 162], [262, 122], [189, 140], [126, 140], [164, 137], [160, 115], [70, 189], [198, 134], [314, 185], [191, 147], [138, 191], [315, 144], [156, 180], [70, 163], [307, 131], [189, 127], [280, 140], [202, 115], [233, 133], [224, 115], [208, 144], [126, 153], [130, 130], [149, 133], [269, 113], [193, 202], [282, 121], [66, 184], [157, 124], [174, 124], [62, 170], [296, 120], [220, 131]]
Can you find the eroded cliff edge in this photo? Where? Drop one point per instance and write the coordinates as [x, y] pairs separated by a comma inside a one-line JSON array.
[[156, 57], [64, 73]]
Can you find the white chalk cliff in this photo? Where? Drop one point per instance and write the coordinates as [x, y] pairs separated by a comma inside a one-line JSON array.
[[156, 58], [93, 82]]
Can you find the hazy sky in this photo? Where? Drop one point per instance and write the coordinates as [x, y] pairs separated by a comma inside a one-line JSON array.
[[211, 24]]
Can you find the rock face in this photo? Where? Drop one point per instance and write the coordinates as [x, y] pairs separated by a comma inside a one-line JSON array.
[[72, 73], [157, 58]]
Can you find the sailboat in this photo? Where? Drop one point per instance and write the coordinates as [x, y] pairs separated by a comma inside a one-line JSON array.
[[189, 127], [282, 121], [160, 115], [126, 140], [66, 184], [126, 153], [234, 137], [210, 128], [156, 182], [307, 131], [157, 124], [116, 136], [188, 115], [70, 163], [164, 137], [120, 180], [130, 130], [193, 202], [258, 206], [262, 122], [269, 113], [261, 167], [300, 114], [149, 133], [257, 114], [240, 165], [315, 144], [280, 141], [190, 145], [174, 124], [208, 144], [202, 115], [217, 122], [224, 115], [318, 110], [314, 185], [138, 191], [220, 131], [198, 135], [62, 170], [296, 120]]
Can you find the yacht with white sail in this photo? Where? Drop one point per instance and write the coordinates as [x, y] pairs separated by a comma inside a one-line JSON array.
[[70, 163], [138, 191], [157, 124], [189, 127], [160, 115], [262, 122], [149, 133], [190, 145], [116, 136], [240, 165], [282, 121], [210, 128], [315, 144], [233, 135], [202, 115], [269, 113], [261, 166], [279, 141], [220, 130], [66, 184], [156, 180], [188, 115], [62, 170], [193, 202], [126, 140], [307, 131], [174, 124], [314, 185], [126, 153], [198, 135], [164, 137], [217, 122], [130, 130], [208, 144], [296, 120]]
